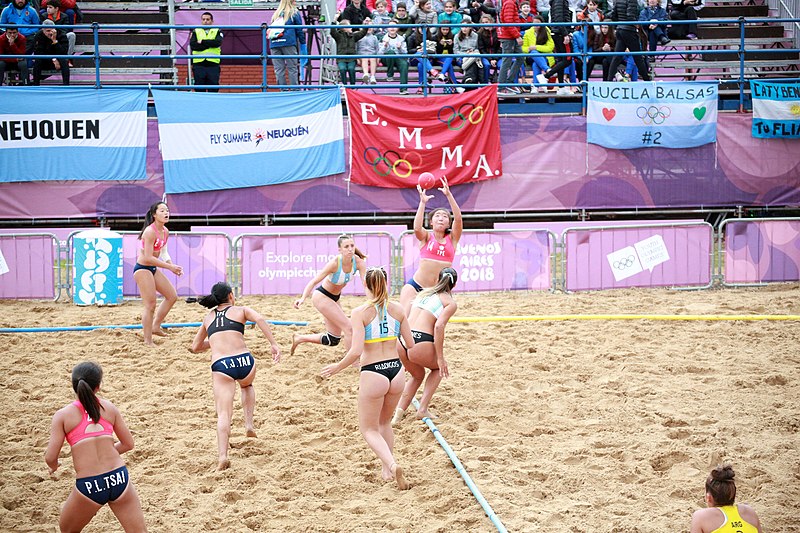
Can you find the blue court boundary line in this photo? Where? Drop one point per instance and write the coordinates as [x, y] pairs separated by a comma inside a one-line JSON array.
[[461, 470], [134, 326]]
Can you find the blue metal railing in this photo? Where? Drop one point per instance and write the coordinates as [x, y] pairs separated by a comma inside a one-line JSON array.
[[98, 30]]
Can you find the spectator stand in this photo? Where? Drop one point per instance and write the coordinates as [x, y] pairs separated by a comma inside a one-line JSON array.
[[257, 12], [125, 37]]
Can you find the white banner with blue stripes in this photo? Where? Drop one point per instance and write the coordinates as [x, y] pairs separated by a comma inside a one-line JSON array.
[[72, 134], [651, 114], [226, 141], [776, 109]]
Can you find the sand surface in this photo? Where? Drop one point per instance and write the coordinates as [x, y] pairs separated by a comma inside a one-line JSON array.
[[563, 425]]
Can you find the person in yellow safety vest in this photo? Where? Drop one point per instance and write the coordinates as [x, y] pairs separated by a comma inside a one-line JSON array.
[[206, 41]]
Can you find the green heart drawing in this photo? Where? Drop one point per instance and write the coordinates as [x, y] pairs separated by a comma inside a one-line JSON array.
[[699, 112]]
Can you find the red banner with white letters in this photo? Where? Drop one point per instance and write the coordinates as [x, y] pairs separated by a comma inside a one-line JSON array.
[[395, 139]]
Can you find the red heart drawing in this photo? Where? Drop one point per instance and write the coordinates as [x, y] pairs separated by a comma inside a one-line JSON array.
[[609, 113]]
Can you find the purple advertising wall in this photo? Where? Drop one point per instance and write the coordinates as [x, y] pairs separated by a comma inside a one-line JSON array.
[[204, 259], [760, 251], [493, 260], [234, 231], [547, 166], [27, 266], [280, 264], [651, 256]]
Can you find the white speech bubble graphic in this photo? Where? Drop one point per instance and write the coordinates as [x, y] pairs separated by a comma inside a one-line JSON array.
[[624, 263], [3, 265], [652, 252]]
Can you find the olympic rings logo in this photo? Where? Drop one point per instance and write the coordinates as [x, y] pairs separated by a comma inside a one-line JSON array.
[[624, 263], [467, 113], [653, 114], [387, 163]]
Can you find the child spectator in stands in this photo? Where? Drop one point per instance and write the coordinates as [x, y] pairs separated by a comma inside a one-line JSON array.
[[444, 46], [346, 40], [570, 69], [510, 43], [421, 12], [12, 42], [372, 6], [49, 42], [629, 72], [538, 42], [289, 41], [590, 13], [466, 48], [355, 12], [526, 14], [560, 12], [19, 12], [488, 43], [418, 44], [450, 15], [401, 17], [581, 47], [368, 46], [68, 7], [604, 41], [656, 33], [53, 12], [392, 45], [684, 10], [381, 15]]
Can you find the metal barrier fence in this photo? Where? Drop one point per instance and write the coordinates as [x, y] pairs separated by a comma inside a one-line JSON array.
[[493, 260], [608, 257], [680, 255], [30, 266], [758, 251]]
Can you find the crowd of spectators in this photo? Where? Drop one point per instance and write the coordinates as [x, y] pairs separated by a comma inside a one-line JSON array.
[[535, 68], [43, 43]]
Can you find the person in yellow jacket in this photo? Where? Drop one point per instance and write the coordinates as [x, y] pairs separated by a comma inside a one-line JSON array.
[[537, 42], [206, 41], [722, 515]]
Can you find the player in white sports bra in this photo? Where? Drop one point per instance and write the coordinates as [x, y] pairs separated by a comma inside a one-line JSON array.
[[376, 327]]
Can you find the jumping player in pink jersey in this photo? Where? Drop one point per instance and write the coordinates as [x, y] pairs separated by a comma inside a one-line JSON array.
[[437, 245]]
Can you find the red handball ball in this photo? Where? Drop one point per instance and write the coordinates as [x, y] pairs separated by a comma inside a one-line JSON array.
[[427, 180]]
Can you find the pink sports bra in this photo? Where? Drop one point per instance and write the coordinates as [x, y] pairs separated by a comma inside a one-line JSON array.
[[83, 430], [160, 241], [438, 251]]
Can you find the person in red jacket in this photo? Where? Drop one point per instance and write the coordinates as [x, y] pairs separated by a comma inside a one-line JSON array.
[[13, 43], [510, 43]]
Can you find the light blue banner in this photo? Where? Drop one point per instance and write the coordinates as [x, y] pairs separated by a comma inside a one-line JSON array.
[[776, 109], [211, 141], [72, 134], [651, 114]]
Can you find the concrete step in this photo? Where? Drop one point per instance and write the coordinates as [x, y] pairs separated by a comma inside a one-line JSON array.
[[124, 39], [724, 11], [732, 31]]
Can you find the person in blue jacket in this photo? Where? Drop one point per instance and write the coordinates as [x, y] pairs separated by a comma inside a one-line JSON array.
[[286, 39], [656, 33]]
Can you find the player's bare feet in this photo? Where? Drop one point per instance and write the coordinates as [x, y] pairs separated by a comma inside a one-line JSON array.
[[251, 432], [295, 344], [161, 332], [223, 464], [424, 413], [399, 478], [398, 416]]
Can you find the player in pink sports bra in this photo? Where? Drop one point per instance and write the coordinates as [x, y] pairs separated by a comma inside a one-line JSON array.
[[152, 254], [89, 425], [437, 245]]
